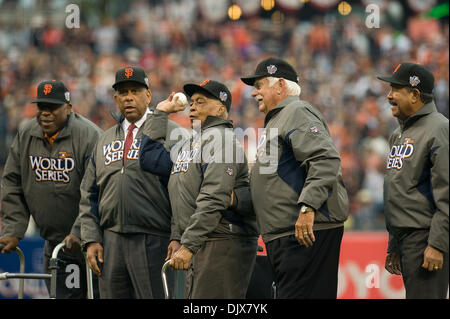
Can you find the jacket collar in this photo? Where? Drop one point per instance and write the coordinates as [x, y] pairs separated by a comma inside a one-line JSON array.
[[211, 121], [36, 129], [424, 110], [278, 108], [117, 116]]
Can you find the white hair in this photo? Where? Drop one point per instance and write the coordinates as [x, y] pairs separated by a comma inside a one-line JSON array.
[[293, 89]]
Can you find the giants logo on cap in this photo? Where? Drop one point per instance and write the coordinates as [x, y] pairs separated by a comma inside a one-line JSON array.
[[47, 88], [396, 68], [204, 83], [129, 72]]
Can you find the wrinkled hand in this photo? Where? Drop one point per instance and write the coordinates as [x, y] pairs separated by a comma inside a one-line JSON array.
[[73, 243], [170, 105], [173, 248], [181, 259], [94, 254], [433, 259], [392, 263], [304, 229], [9, 243]]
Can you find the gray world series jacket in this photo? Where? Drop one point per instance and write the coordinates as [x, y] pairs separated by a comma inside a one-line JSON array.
[[416, 191], [44, 181], [296, 163], [123, 199], [202, 178]]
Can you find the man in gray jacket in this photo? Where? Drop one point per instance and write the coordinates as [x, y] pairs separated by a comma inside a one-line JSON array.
[[207, 167], [296, 184], [416, 192], [42, 177], [125, 212]]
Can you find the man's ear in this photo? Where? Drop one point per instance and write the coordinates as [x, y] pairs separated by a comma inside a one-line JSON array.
[[149, 96], [280, 85], [416, 96], [220, 109]]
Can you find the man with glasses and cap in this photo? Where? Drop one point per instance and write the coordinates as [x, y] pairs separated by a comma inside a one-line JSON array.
[[125, 212], [214, 241], [416, 192], [42, 178], [296, 185]]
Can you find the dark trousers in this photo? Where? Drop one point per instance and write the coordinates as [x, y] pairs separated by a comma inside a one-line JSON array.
[[221, 269], [419, 282], [132, 266], [306, 273], [71, 279]]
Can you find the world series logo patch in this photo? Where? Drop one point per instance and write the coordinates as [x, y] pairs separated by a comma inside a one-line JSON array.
[[399, 152], [53, 169], [113, 151], [184, 158], [271, 69]]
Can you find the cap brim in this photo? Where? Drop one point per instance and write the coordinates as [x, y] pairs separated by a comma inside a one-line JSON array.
[[390, 79], [125, 81], [52, 101], [250, 80]]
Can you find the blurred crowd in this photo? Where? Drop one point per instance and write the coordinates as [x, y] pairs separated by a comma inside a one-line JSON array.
[[337, 58]]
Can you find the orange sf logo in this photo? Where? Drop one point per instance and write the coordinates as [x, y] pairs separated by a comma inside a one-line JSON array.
[[47, 88], [204, 83], [128, 72]]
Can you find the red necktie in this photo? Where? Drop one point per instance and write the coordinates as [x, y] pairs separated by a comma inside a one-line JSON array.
[[128, 142]]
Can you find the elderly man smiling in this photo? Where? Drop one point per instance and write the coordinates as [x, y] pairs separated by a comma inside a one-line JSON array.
[[300, 199]]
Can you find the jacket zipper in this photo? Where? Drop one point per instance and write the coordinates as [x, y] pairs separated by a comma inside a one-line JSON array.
[[123, 197]]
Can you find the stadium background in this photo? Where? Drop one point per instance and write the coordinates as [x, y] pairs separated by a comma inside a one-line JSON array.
[[330, 43]]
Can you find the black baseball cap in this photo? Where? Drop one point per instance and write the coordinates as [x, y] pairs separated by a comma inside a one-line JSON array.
[[131, 74], [412, 75], [213, 88], [52, 91], [272, 67]]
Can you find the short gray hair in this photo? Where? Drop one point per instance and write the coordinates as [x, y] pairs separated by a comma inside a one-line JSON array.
[[424, 97], [293, 89]]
